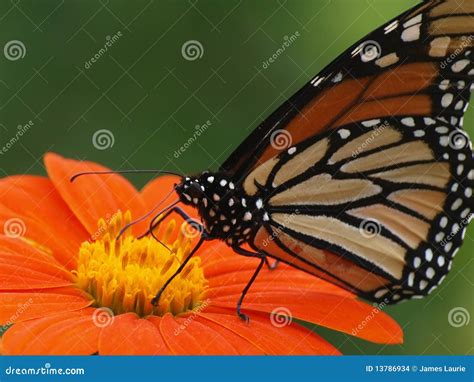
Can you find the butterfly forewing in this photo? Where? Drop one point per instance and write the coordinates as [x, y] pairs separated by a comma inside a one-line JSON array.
[[404, 68]]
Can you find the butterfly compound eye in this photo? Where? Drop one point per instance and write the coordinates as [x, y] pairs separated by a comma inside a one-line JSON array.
[[189, 190]]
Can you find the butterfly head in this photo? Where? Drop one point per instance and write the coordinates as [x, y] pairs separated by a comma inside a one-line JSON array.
[[204, 189], [190, 191]]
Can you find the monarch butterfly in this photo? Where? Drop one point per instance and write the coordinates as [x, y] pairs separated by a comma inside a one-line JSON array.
[[364, 177]]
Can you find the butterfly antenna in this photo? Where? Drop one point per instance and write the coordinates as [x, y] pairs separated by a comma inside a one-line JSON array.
[[79, 174], [122, 231]]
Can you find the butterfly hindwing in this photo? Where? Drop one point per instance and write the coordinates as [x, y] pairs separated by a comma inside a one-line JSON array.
[[384, 198]]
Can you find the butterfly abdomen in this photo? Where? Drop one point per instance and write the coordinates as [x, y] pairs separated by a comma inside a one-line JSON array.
[[227, 211]]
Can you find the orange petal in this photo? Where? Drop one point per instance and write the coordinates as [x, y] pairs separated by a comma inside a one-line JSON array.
[[187, 336], [239, 343], [231, 277], [17, 307], [131, 335], [290, 339], [25, 267], [185, 345], [70, 333], [92, 197], [335, 312], [34, 202], [216, 252]]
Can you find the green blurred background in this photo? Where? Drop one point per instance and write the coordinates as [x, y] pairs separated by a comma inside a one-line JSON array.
[[151, 99]]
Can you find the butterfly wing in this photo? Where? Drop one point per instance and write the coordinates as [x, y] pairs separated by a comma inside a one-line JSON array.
[[395, 70], [379, 211], [366, 172]]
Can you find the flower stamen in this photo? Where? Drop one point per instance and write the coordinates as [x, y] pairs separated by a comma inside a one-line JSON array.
[[125, 273]]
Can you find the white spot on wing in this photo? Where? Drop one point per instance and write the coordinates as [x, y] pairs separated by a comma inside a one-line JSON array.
[[447, 99], [459, 65], [408, 121], [337, 78], [391, 27], [411, 34], [371, 122], [413, 21], [344, 133]]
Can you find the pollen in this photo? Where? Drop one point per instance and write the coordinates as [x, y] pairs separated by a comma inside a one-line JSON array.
[[125, 273]]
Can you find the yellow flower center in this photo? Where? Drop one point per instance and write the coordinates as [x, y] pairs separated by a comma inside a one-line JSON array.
[[125, 274]]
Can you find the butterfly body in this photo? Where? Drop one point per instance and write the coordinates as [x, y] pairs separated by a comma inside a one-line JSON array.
[[228, 213]]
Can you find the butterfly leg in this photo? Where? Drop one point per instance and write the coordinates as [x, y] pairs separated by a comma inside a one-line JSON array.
[[263, 259], [156, 299], [202, 238]]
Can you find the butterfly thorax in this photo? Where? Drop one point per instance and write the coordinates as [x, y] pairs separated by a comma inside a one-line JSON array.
[[226, 211]]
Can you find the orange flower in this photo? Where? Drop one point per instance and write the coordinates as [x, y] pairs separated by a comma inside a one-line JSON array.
[[67, 286]]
